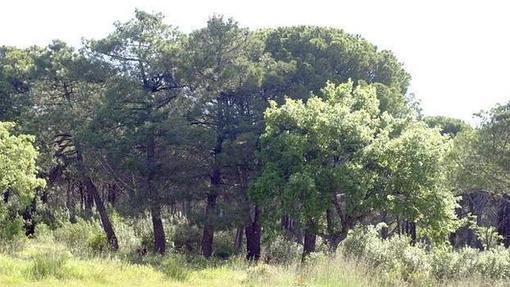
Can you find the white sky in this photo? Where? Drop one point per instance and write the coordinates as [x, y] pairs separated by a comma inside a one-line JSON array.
[[458, 52]]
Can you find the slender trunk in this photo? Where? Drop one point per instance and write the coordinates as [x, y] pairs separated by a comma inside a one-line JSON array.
[[112, 194], [310, 239], [92, 191], [103, 214], [210, 210], [88, 200], [238, 240], [208, 234], [70, 203], [155, 208], [412, 232], [253, 233]]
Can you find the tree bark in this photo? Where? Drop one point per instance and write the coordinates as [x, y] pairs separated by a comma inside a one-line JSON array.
[[103, 214], [208, 234], [159, 231], [310, 239], [238, 241], [155, 208], [210, 210], [504, 220], [253, 233]]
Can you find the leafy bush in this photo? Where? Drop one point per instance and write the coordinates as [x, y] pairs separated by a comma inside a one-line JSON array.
[[186, 238], [398, 259], [282, 251], [223, 245], [82, 237]]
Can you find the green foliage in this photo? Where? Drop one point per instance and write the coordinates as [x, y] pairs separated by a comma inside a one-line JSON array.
[[18, 179], [488, 235], [343, 145], [482, 155], [448, 126], [18, 172]]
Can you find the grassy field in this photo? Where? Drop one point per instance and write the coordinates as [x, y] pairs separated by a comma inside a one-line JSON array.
[[40, 263]]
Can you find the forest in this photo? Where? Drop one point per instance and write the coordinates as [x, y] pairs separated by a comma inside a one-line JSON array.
[[289, 156]]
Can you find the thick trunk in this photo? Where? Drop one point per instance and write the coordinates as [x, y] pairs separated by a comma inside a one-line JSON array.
[[253, 232], [208, 234], [155, 208], [159, 231], [92, 191], [310, 239], [504, 220], [335, 234]]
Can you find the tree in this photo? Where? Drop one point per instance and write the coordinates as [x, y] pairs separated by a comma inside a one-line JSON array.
[[307, 57], [15, 68], [143, 55], [18, 176], [482, 157], [224, 71], [448, 126], [323, 157], [414, 181], [66, 91]]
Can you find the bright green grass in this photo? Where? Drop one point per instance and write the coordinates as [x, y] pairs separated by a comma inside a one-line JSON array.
[[46, 263], [60, 268]]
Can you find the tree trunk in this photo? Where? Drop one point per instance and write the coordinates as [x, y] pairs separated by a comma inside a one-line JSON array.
[[155, 208], [412, 232], [92, 191], [88, 201], [103, 214], [253, 233], [159, 231], [310, 239], [210, 210], [208, 234], [504, 220], [238, 240]]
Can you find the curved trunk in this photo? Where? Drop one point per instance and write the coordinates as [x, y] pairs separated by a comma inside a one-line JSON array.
[[92, 192]]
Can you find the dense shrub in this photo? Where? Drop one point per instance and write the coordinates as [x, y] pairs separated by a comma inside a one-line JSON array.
[[82, 237], [186, 238], [401, 260], [223, 246], [281, 251]]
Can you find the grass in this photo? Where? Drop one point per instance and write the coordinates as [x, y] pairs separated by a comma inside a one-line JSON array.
[[46, 263]]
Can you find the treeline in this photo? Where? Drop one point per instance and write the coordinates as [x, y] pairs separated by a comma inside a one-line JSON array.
[[301, 131]]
